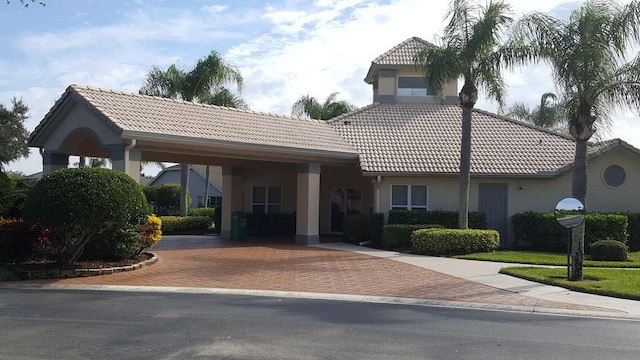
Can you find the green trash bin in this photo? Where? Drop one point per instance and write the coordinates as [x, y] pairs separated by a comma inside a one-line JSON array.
[[238, 226]]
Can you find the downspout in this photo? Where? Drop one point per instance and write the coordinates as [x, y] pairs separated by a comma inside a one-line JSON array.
[[126, 155]]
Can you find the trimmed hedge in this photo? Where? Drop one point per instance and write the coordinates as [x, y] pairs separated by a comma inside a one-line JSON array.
[[542, 232], [280, 224], [178, 224], [376, 224], [203, 211], [448, 219], [399, 235], [633, 229], [454, 241], [608, 250], [356, 228]]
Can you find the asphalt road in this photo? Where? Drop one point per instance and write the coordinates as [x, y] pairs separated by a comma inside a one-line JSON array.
[[52, 324]]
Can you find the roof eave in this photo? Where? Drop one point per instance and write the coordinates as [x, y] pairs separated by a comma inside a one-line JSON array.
[[344, 155]]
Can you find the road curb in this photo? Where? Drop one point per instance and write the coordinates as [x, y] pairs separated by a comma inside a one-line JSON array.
[[333, 297]]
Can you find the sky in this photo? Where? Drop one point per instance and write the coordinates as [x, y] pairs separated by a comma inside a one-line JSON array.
[[283, 48]]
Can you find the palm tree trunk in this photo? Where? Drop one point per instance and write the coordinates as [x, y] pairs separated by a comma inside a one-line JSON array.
[[579, 191], [184, 188], [465, 169], [82, 162], [206, 186]]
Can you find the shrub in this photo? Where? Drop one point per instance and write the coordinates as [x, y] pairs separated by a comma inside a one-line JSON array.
[[281, 224], [454, 241], [448, 219], [217, 220], [608, 250], [150, 233], [17, 240], [178, 224], [542, 232], [376, 223], [79, 203], [165, 198], [633, 229], [399, 235], [204, 211], [355, 228], [113, 244], [6, 193]]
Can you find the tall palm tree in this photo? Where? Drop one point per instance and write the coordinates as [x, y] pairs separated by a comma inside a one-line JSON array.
[[468, 51], [204, 84], [309, 106], [587, 57], [549, 114]]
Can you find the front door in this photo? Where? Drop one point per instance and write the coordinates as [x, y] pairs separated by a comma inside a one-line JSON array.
[[493, 202], [344, 200]]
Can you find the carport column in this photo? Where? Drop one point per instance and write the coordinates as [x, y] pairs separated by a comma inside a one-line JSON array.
[[308, 204], [231, 197], [52, 161], [126, 159]]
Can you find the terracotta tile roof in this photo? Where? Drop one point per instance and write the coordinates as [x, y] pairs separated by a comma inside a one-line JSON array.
[[147, 115], [400, 55], [425, 138]]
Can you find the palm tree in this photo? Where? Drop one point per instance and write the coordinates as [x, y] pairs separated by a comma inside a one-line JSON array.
[[586, 54], [548, 114], [203, 84], [308, 106], [468, 51]]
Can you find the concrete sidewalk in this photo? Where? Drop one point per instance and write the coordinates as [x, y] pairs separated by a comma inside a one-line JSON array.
[[487, 273], [339, 271]]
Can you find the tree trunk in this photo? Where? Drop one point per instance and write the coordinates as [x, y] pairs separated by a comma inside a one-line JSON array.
[[465, 170], [467, 99], [82, 162], [579, 191], [184, 188], [206, 186]]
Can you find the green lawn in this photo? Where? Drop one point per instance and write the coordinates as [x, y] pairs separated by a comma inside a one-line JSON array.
[[540, 258], [619, 283]]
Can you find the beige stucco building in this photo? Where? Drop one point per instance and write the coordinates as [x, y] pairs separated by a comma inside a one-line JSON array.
[[400, 152]]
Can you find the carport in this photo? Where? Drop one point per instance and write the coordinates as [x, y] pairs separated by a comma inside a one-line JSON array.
[[130, 128]]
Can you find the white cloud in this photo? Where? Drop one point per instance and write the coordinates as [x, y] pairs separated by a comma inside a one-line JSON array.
[[284, 50], [214, 9]]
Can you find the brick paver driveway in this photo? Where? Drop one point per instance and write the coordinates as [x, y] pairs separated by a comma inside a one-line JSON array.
[[279, 265]]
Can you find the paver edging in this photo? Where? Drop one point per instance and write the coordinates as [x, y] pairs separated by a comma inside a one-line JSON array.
[[71, 273]]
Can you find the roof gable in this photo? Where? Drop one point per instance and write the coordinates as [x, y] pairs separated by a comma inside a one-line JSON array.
[[401, 55], [141, 116]]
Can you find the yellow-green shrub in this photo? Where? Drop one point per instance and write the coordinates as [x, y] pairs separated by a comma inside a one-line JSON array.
[[151, 232], [454, 241]]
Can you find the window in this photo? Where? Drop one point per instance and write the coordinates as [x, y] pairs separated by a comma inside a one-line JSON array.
[[412, 86], [409, 197], [215, 201], [266, 200], [614, 176]]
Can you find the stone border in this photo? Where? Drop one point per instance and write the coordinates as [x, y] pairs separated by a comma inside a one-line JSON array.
[[71, 273]]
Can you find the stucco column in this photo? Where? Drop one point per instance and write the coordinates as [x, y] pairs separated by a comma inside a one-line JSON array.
[[52, 161], [308, 204], [126, 159], [231, 197]]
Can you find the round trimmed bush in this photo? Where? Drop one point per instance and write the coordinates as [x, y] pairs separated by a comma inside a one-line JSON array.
[[608, 250], [79, 203]]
